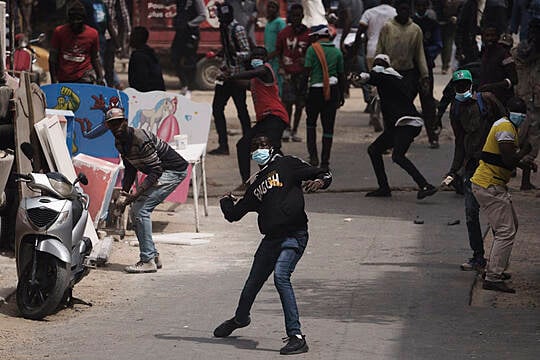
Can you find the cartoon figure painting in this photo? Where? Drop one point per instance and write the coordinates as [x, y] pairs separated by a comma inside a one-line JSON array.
[[89, 103], [67, 100], [159, 120], [99, 104]]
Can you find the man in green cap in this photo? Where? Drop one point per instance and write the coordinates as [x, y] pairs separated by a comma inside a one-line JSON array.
[[471, 117]]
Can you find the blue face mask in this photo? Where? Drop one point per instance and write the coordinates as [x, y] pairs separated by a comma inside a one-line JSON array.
[[256, 63], [261, 156], [462, 97], [517, 118]]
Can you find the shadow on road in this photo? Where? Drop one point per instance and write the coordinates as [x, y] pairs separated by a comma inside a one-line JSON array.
[[236, 341]]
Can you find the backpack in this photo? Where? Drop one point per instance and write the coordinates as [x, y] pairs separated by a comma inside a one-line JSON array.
[[479, 102], [485, 126]]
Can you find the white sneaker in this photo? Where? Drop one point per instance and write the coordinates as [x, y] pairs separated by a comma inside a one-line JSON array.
[[142, 267]]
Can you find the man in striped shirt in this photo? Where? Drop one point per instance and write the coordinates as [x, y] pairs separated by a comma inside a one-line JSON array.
[[164, 169]]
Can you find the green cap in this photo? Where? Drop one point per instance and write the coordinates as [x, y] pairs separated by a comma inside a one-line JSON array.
[[462, 75]]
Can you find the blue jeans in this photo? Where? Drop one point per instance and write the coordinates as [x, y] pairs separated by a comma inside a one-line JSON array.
[[472, 218], [280, 256], [144, 205]]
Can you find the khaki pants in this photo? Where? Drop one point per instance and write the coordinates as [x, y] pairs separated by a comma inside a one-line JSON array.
[[497, 205]]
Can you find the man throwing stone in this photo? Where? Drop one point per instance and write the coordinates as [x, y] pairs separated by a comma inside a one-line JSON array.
[[276, 195]]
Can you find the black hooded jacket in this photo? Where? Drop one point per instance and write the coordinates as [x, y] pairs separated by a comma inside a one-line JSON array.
[[276, 195], [144, 73]]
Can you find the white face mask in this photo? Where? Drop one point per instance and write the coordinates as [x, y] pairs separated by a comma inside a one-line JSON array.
[[256, 63], [517, 118], [261, 156]]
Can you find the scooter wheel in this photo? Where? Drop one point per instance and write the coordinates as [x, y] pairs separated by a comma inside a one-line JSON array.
[[40, 298]]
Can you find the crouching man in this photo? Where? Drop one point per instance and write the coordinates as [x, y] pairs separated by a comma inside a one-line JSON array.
[[276, 195], [500, 156], [164, 168]]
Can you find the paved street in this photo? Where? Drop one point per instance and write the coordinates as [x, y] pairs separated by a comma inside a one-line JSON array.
[[371, 285]]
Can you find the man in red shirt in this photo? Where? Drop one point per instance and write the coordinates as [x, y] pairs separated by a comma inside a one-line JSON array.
[[74, 54], [272, 118], [291, 46]]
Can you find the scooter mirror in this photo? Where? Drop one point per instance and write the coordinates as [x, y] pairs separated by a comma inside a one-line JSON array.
[[28, 150], [82, 179]]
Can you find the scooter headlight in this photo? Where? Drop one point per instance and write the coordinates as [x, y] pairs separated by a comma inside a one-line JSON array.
[[62, 218], [61, 187]]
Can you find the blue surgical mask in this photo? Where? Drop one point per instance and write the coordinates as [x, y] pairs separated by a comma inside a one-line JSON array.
[[517, 118], [261, 156], [256, 63], [462, 97]]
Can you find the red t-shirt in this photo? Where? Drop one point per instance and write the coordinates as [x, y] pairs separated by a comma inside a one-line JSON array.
[[266, 99], [291, 48], [74, 51]]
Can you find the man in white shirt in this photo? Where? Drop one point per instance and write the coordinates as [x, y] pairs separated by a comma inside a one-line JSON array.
[[314, 13], [371, 23]]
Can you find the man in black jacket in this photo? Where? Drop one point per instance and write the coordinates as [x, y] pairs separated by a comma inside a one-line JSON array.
[[276, 195], [189, 16], [471, 116], [144, 71], [431, 32], [401, 125]]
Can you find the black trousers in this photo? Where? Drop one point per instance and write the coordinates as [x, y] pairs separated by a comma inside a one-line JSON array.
[[184, 57], [411, 80], [399, 139], [108, 62], [270, 126], [222, 94], [316, 105]]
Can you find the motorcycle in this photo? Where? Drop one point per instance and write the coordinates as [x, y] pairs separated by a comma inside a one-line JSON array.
[[50, 249], [30, 57]]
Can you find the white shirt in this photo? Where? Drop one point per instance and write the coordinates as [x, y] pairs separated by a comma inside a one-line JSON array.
[[314, 13], [374, 19]]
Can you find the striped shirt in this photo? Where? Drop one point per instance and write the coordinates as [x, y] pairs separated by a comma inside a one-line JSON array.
[[238, 44], [145, 152], [492, 170], [118, 10]]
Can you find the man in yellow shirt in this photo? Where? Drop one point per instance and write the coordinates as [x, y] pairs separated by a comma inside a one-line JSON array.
[[499, 158]]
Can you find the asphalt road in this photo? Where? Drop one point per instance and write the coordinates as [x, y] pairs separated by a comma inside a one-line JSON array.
[[371, 285]]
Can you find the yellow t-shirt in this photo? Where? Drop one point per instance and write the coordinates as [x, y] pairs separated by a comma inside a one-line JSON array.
[[491, 170]]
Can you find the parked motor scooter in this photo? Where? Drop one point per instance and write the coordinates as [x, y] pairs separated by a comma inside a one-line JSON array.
[[51, 251], [30, 57]]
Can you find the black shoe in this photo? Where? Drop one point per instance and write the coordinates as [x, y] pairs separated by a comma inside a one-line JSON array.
[[228, 326], [427, 190], [295, 345], [504, 276], [313, 161], [497, 286], [434, 144], [222, 150], [380, 192]]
